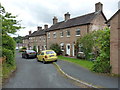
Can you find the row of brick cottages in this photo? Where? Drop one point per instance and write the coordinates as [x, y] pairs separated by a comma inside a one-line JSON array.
[[66, 32]]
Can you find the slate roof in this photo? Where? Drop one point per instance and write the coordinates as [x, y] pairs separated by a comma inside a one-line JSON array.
[[26, 37], [38, 33], [81, 20]]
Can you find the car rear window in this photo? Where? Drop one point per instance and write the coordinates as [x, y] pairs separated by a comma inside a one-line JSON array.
[[30, 51], [50, 52]]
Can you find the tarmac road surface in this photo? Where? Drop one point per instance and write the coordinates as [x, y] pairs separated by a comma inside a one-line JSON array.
[[33, 74]]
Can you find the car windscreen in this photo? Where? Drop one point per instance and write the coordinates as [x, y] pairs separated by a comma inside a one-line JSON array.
[[50, 52]]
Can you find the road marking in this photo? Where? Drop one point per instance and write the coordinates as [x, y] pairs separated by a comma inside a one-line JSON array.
[[72, 78]]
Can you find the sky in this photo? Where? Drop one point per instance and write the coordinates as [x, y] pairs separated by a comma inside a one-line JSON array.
[[33, 13]]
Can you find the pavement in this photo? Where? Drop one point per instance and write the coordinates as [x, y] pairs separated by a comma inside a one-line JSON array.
[[82, 74]]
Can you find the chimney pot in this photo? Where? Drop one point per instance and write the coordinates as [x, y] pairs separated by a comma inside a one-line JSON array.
[[67, 16], [55, 20], [30, 32], [45, 26], [98, 7], [39, 28]]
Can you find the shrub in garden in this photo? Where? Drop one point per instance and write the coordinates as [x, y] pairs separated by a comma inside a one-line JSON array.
[[103, 60], [22, 49], [56, 48], [97, 45]]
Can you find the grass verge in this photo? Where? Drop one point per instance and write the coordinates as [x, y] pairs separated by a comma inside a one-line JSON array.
[[84, 63], [7, 70]]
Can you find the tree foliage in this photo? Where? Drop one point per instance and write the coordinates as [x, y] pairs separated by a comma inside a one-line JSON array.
[[9, 22], [18, 39], [56, 48], [103, 60], [98, 43]]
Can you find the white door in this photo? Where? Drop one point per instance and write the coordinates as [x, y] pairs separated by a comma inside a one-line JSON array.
[[68, 49]]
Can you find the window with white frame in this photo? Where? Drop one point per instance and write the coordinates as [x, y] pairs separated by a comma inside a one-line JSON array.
[[68, 33], [48, 35], [54, 35], [78, 32], [61, 34]]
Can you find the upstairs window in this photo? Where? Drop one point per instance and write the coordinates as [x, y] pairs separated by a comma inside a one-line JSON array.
[[78, 32], [61, 34], [68, 33], [54, 35], [48, 35]]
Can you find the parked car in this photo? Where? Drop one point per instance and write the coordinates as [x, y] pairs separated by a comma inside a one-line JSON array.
[[81, 55], [29, 53], [47, 56]]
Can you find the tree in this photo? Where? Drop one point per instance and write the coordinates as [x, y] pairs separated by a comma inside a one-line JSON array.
[[18, 39], [56, 48], [9, 22]]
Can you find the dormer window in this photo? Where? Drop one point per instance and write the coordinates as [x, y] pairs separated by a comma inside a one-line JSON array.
[[68, 33], [54, 35]]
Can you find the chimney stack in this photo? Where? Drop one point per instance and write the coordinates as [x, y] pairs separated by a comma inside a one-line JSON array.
[[30, 32], [39, 28], [98, 7], [55, 20], [45, 26], [67, 16]]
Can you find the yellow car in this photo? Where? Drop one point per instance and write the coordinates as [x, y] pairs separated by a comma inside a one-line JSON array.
[[46, 56]]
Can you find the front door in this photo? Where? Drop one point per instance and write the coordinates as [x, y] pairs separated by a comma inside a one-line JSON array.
[[68, 49]]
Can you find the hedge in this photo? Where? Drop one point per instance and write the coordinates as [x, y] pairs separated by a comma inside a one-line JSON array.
[[8, 43], [9, 56]]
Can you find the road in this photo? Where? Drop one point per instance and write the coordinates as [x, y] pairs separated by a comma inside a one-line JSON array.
[[33, 74]]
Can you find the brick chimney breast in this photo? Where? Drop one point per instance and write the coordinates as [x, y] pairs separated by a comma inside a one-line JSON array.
[[55, 20], [67, 16], [45, 26], [30, 32], [39, 28], [98, 7]]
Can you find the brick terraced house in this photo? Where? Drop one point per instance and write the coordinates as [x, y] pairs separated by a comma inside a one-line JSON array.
[[114, 24], [66, 32], [37, 38]]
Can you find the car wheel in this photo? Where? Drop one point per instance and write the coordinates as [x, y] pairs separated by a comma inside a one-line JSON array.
[[55, 60], [44, 61], [26, 56]]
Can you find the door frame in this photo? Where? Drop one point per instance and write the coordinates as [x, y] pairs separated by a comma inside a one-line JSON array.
[[67, 49]]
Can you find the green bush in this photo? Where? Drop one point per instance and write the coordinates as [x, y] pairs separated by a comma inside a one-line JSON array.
[[96, 45], [24, 47], [56, 48], [9, 56], [103, 60], [8, 43]]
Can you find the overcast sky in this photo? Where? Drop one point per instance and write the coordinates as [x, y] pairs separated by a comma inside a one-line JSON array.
[[35, 13]]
